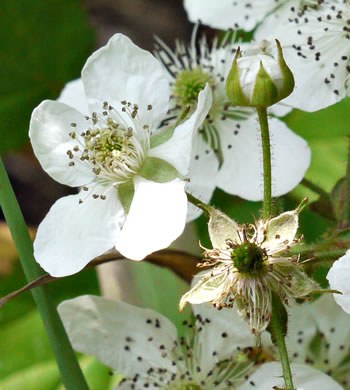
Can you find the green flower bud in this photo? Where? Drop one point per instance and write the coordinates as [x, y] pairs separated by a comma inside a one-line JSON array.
[[260, 80]]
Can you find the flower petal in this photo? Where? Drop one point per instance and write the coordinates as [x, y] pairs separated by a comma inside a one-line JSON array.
[[269, 375], [50, 126], [242, 170], [156, 218], [222, 332], [280, 232], [204, 167], [338, 277], [73, 94], [177, 151], [229, 14], [122, 71], [72, 234], [122, 336]]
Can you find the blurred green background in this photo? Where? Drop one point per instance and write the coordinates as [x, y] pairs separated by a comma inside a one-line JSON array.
[[44, 45]]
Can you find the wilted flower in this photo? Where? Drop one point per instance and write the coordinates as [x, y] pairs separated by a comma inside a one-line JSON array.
[[338, 277], [259, 80], [144, 346], [227, 148], [248, 263], [132, 176]]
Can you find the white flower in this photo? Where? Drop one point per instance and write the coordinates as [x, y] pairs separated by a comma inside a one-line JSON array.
[[225, 14], [230, 135], [132, 195], [316, 43], [247, 264], [319, 335], [338, 277], [144, 346]]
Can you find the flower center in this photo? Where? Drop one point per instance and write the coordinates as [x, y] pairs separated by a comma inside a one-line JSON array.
[[248, 258], [189, 83], [109, 146]]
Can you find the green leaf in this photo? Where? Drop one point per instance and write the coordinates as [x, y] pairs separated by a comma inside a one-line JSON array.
[[44, 45], [325, 131], [126, 193], [162, 137], [158, 170], [38, 376]]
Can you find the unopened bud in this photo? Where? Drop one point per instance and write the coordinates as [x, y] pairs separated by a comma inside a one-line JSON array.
[[259, 80]]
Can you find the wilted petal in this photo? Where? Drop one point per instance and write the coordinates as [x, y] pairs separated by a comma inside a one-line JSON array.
[[208, 289], [280, 232], [222, 228]]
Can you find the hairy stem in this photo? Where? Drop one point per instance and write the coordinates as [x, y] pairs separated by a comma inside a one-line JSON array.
[[72, 376], [278, 330], [266, 148], [346, 215], [195, 201]]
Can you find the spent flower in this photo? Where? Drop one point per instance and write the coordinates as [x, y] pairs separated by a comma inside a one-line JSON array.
[[247, 264], [132, 193]]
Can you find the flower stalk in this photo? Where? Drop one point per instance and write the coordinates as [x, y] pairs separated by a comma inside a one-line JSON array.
[[71, 373], [266, 148], [346, 216], [278, 330]]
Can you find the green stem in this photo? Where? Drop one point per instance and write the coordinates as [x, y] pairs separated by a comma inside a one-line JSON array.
[[72, 376], [278, 331], [266, 148], [195, 201]]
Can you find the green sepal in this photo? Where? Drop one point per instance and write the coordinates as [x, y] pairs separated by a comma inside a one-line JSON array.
[[158, 170], [162, 137], [265, 92], [233, 85], [278, 325], [126, 193], [288, 78]]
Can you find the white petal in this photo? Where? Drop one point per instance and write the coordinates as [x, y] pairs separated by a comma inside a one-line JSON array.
[[118, 334], [50, 126], [122, 71], [242, 171], [304, 377], [225, 333], [338, 277], [73, 94], [177, 151], [72, 234], [203, 171], [156, 218], [243, 14]]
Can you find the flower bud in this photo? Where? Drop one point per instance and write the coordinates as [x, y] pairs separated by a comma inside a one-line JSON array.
[[260, 80]]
